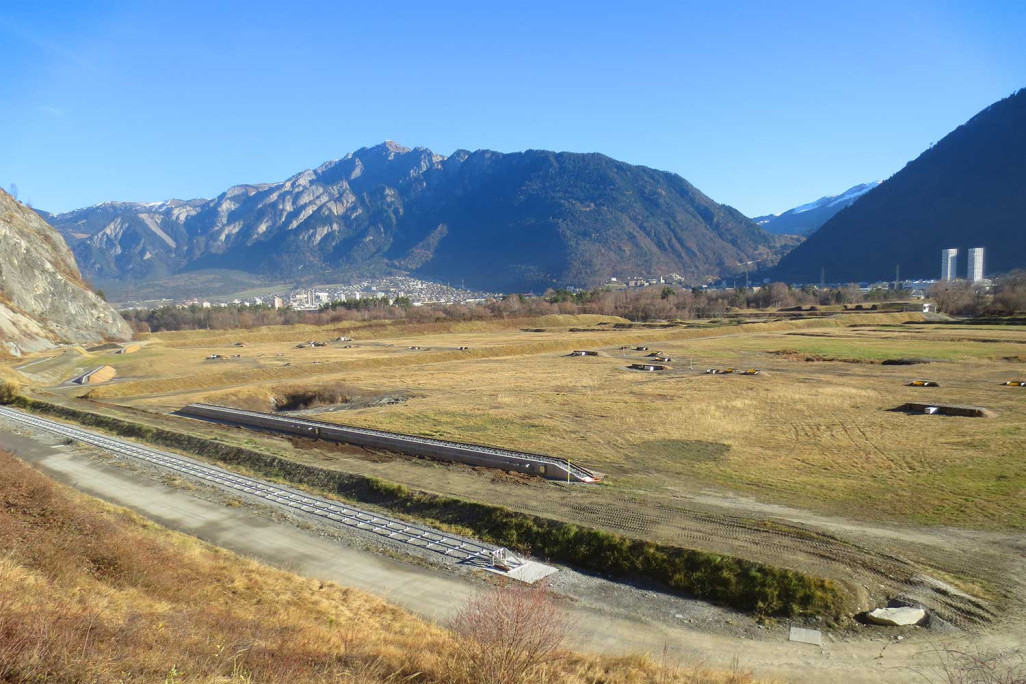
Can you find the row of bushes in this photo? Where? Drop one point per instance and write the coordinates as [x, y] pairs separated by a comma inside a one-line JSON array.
[[727, 580]]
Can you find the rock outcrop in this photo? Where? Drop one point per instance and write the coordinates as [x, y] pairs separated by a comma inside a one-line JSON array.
[[43, 300], [896, 617]]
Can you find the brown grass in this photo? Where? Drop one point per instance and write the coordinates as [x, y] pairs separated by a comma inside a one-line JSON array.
[[818, 435], [497, 345], [90, 592]]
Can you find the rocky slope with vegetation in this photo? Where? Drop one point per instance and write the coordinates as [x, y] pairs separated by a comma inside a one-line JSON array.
[[43, 299], [513, 222]]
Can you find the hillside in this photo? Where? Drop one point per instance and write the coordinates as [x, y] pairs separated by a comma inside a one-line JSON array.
[[94, 593], [965, 191], [514, 222], [808, 218], [43, 300]]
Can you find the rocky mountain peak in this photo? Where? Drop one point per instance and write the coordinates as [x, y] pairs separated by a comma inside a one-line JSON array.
[[519, 222]]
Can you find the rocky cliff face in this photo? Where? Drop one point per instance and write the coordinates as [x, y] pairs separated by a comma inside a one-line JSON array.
[[43, 301]]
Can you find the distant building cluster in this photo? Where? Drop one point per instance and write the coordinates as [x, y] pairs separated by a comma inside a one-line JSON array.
[[974, 265], [419, 292], [645, 281]]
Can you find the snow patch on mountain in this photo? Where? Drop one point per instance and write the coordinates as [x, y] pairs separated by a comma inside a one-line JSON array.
[[845, 198]]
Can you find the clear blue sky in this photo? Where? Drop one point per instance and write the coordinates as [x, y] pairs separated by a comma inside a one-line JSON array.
[[762, 105]]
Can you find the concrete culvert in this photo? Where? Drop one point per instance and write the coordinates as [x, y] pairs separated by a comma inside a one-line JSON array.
[[647, 367], [97, 375]]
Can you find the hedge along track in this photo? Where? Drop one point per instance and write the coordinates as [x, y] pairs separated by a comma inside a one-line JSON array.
[[900, 576], [423, 537]]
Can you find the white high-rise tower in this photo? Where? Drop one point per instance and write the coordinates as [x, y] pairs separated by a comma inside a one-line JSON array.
[[949, 260], [975, 271]]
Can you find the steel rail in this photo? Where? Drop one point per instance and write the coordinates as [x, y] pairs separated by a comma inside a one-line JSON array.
[[585, 475], [416, 535]]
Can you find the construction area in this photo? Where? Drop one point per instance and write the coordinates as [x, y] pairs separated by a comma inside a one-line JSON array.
[[771, 441]]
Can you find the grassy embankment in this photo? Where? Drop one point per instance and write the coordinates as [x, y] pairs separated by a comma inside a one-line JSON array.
[[730, 581], [93, 593]]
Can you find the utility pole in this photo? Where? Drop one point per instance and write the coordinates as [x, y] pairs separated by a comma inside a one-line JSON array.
[[822, 277], [897, 276]]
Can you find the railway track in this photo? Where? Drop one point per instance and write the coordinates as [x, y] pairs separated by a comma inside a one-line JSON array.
[[419, 536]]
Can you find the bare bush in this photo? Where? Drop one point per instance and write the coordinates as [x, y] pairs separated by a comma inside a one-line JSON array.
[[974, 666], [508, 634], [959, 298]]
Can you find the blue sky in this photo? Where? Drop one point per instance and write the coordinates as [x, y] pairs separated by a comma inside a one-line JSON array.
[[762, 105]]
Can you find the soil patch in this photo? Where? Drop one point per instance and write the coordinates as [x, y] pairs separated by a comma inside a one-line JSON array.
[[905, 362], [795, 355], [694, 450]]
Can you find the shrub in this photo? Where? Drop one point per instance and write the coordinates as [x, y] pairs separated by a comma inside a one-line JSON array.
[[8, 392], [508, 633]]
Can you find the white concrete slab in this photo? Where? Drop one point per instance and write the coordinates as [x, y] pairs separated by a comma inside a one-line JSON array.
[[806, 636], [530, 572]]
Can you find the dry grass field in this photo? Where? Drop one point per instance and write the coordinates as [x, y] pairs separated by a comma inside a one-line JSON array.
[[812, 429], [703, 461]]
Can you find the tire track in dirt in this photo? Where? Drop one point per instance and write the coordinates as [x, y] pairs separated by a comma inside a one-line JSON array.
[[772, 540]]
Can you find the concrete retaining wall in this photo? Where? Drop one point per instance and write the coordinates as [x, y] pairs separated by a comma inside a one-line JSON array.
[[97, 375], [471, 454]]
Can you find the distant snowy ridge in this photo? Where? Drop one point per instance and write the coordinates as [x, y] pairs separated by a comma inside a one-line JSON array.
[[844, 199], [807, 218]]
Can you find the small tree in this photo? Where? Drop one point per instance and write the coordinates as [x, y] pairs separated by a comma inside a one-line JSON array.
[[8, 392], [958, 298], [508, 633]]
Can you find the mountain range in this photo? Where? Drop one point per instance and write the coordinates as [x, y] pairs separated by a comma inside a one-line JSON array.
[[43, 299], [808, 218], [968, 190], [509, 222]]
